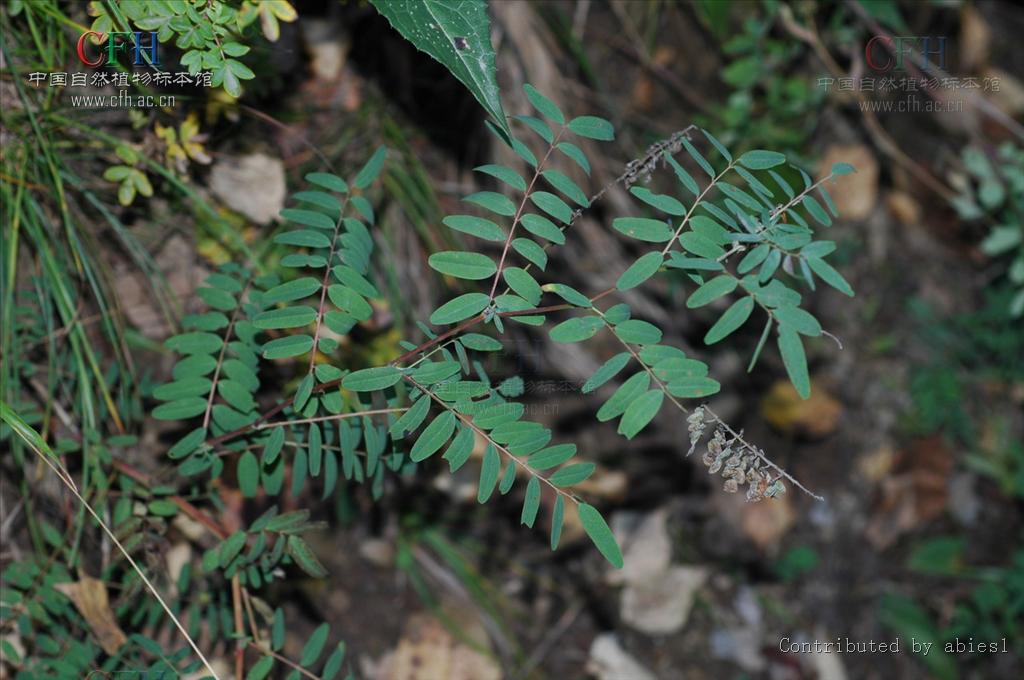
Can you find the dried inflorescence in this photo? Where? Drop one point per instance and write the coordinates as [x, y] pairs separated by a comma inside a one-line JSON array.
[[736, 460]]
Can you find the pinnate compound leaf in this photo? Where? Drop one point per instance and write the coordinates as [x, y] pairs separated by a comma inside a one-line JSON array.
[[371, 379], [459, 36], [598, 531]]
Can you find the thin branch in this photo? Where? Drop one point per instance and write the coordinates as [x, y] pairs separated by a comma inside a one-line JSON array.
[[285, 660], [323, 282], [220, 357], [336, 416]]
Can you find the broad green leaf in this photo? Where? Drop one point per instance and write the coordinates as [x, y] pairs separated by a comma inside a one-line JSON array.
[[829, 275], [475, 226], [531, 502], [248, 474], [662, 202], [762, 160], [641, 270], [463, 265], [598, 531], [701, 245], [459, 36], [733, 317], [489, 470], [289, 317], [236, 395], [349, 301], [543, 227], [372, 169], [545, 106], [753, 258], [552, 205], [460, 308], [638, 332], [493, 201], [592, 127], [289, 346], [433, 437], [640, 412], [322, 200], [480, 343], [371, 379], [643, 229], [711, 290], [795, 360], [304, 237], [572, 474], [505, 174], [531, 251], [308, 218]]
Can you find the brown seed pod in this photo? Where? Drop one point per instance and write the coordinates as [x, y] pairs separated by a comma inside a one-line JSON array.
[[731, 486]]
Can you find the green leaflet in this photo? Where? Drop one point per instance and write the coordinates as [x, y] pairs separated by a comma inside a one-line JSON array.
[[314, 645], [433, 437], [662, 202], [557, 518], [412, 418], [576, 154], [273, 445], [180, 409], [733, 317], [459, 36], [640, 412], [460, 308], [568, 293], [552, 205], [304, 557], [598, 531], [217, 298], [187, 387], [638, 332], [761, 160], [308, 218], [348, 300], [799, 320], [371, 379], [288, 317], [718, 145], [371, 170], [576, 329], [753, 258], [542, 227], [248, 474], [289, 346], [328, 181], [460, 449], [572, 474], [292, 290], [701, 245], [565, 185], [643, 229], [694, 387], [593, 127], [815, 210], [698, 158], [685, 178], [505, 174], [524, 285], [545, 106], [531, 251], [641, 270], [711, 291], [194, 343], [607, 371], [508, 479], [829, 275], [493, 201], [542, 129], [531, 502], [475, 226], [187, 444], [553, 456], [489, 470], [304, 237], [463, 265], [624, 396], [794, 359], [315, 453]]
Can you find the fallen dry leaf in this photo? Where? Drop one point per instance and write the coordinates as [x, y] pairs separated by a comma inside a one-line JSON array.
[[660, 605], [609, 661], [814, 417], [855, 195], [90, 598], [647, 550], [252, 185]]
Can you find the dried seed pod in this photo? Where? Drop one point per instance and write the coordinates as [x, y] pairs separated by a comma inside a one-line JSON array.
[[731, 486], [715, 466], [734, 461], [707, 458], [776, 488], [754, 492]]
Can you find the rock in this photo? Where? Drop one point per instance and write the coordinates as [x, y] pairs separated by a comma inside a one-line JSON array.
[[647, 549], [741, 645], [252, 185], [608, 661], [904, 208], [326, 46], [378, 552], [427, 651], [856, 194], [660, 605]]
